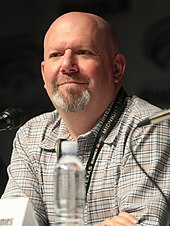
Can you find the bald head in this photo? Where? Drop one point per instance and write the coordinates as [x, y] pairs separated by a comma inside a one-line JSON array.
[[87, 22]]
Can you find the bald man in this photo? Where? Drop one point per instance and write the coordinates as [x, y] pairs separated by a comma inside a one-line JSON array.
[[82, 72]]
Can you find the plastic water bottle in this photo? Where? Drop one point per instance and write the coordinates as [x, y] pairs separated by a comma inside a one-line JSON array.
[[69, 187]]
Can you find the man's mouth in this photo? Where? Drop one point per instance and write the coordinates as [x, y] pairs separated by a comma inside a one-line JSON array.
[[72, 83]]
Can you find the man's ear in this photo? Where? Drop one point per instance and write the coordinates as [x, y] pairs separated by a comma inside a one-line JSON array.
[[119, 64], [42, 72]]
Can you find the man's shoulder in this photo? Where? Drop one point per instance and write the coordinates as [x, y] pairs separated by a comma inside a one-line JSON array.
[[145, 105], [42, 122], [140, 109], [44, 117]]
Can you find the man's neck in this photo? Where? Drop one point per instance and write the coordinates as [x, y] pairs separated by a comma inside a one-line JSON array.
[[79, 123]]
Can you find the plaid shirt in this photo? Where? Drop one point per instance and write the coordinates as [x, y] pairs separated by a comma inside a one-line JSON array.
[[117, 184]]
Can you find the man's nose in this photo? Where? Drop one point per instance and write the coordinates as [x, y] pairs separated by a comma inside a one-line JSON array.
[[69, 64]]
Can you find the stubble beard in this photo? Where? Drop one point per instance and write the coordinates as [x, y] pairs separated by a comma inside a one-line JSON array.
[[72, 101]]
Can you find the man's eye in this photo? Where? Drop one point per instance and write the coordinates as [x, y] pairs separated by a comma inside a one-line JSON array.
[[84, 52], [55, 55]]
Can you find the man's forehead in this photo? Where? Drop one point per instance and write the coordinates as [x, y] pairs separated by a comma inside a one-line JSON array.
[[73, 41]]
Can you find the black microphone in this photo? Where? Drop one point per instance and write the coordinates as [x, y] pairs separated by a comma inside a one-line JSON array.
[[11, 118], [156, 118]]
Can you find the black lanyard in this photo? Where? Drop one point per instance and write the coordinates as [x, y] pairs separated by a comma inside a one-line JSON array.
[[110, 121]]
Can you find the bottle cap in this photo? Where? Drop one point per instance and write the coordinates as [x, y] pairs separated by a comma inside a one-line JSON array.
[[69, 147]]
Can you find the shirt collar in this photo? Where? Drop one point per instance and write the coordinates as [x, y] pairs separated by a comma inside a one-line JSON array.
[[59, 131]]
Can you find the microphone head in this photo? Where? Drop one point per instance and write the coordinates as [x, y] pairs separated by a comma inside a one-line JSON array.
[[144, 122], [14, 117]]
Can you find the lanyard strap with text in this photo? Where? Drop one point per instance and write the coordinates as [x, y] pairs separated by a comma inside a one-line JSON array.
[[110, 121]]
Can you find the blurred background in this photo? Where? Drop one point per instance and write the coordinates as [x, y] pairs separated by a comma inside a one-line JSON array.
[[143, 30]]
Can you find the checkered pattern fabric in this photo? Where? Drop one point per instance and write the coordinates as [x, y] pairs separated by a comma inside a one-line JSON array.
[[117, 183]]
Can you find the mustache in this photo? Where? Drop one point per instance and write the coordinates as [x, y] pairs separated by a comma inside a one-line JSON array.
[[72, 78]]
